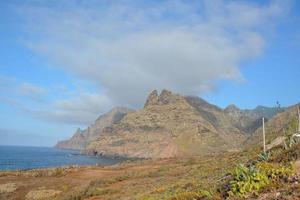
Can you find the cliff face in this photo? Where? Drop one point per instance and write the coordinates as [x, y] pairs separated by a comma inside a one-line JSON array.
[[167, 126], [82, 138]]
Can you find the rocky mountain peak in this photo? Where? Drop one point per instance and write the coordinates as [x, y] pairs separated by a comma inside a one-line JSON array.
[[165, 97]]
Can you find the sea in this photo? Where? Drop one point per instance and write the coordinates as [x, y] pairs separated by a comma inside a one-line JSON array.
[[24, 158]]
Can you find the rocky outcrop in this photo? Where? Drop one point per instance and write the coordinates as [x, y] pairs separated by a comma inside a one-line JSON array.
[[167, 126], [82, 138]]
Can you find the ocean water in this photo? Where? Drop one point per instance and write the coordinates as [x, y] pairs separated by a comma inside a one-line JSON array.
[[17, 157]]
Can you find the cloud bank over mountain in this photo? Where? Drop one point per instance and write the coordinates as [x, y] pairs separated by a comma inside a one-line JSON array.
[[128, 48]]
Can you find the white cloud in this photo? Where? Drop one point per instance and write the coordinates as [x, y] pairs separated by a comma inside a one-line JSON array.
[[82, 110], [32, 91], [10, 86], [71, 106], [129, 48]]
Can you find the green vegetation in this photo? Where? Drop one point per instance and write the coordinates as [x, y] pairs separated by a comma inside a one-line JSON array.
[[256, 177], [262, 173], [247, 179]]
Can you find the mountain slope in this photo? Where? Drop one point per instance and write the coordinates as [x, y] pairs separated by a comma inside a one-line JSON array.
[[82, 138]]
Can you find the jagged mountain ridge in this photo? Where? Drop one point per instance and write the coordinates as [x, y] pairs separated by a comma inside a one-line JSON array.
[[170, 125]]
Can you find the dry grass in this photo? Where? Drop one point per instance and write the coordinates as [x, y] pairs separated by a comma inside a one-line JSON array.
[[175, 178], [42, 194], [8, 188]]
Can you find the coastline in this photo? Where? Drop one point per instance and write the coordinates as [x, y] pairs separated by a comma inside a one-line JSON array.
[[28, 158]]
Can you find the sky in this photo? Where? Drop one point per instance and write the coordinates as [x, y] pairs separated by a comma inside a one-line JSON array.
[[65, 62]]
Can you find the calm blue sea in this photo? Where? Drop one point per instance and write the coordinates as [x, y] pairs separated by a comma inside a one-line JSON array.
[[17, 157]]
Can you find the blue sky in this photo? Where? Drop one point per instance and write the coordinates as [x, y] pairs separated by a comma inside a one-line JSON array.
[[62, 63]]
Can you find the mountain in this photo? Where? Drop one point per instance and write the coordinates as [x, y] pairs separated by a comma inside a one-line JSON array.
[[169, 125], [82, 138]]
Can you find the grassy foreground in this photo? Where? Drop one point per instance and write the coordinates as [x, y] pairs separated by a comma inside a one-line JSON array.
[[209, 177]]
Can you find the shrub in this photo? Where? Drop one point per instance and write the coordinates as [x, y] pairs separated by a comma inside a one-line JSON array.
[[276, 171], [256, 177], [247, 179]]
